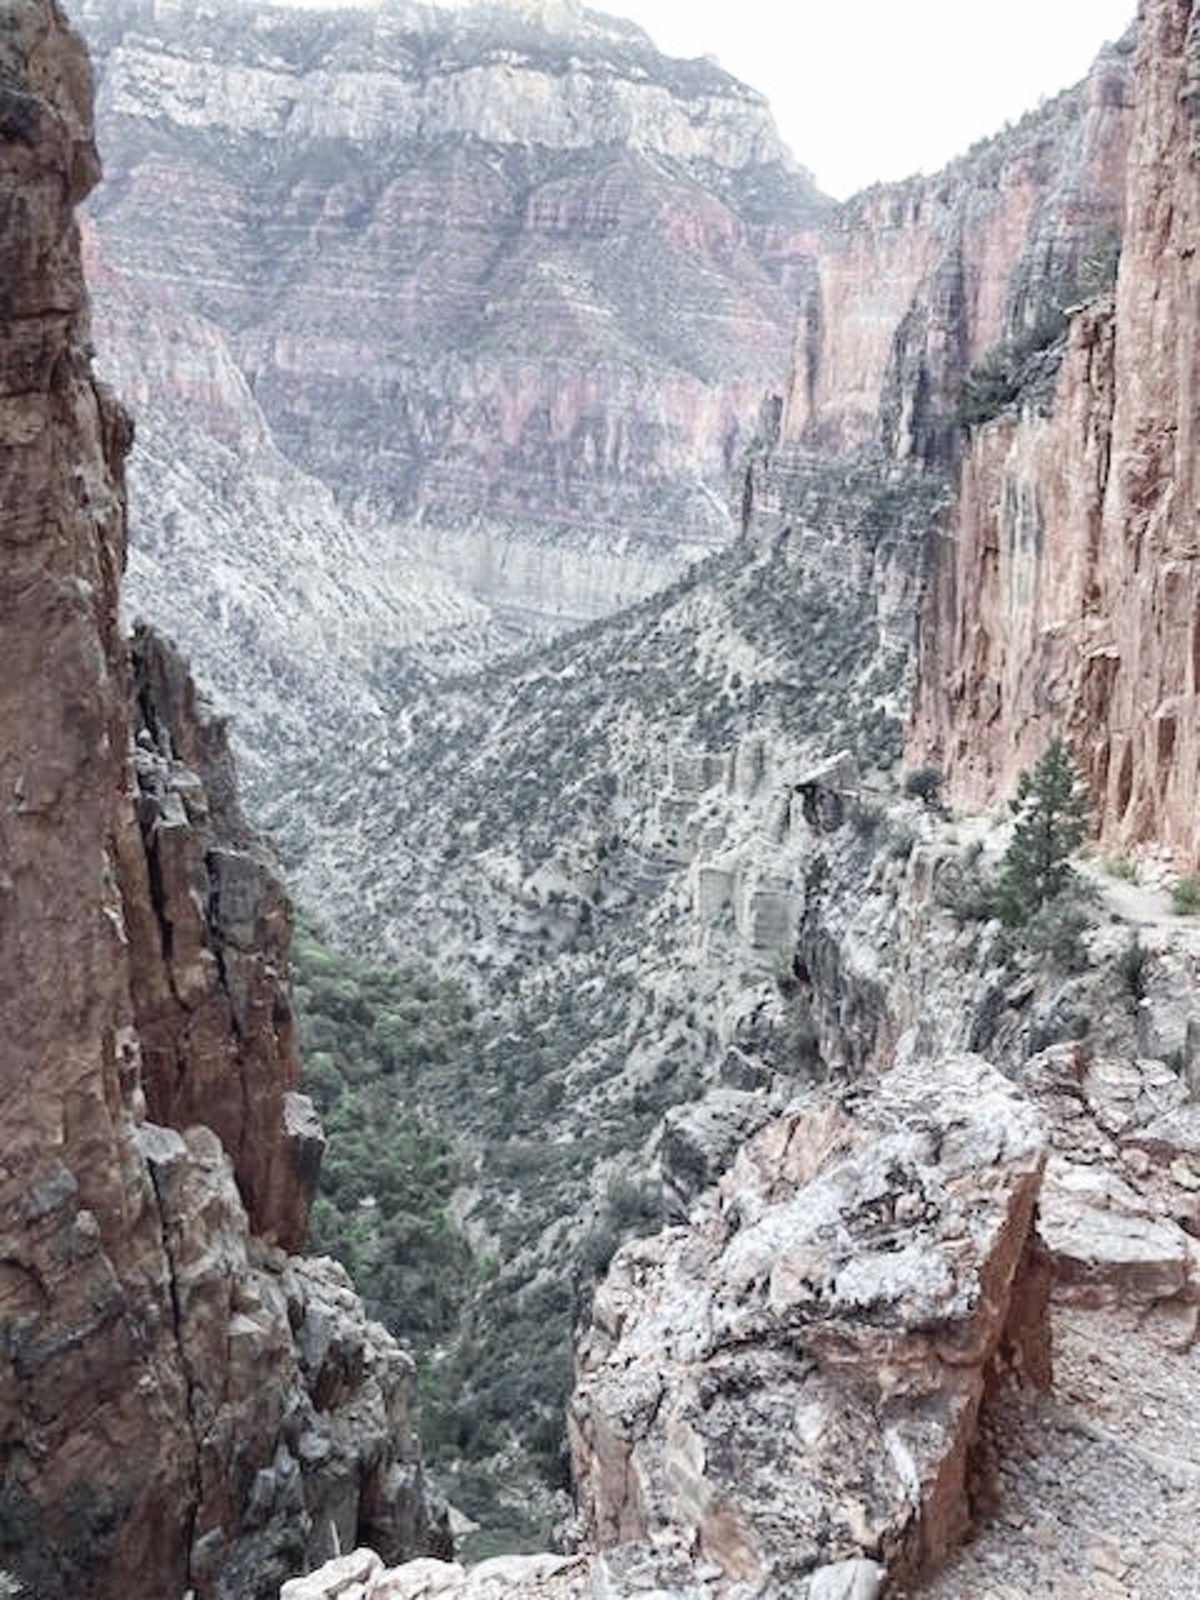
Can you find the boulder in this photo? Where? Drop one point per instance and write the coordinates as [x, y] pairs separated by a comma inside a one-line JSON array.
[[866, 1269], [1108, 1242]]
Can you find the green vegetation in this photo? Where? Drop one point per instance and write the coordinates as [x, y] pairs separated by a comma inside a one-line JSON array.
[[414, 1088], [1123, 868], [999, 380], [525, 828], [368, 1033], [1185, 897], [926, 784], [1133, 967], [1006, 374], [1052, 813], [1039, 896]]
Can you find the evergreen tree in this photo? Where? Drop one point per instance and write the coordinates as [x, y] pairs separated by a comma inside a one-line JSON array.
[[1052, 815]]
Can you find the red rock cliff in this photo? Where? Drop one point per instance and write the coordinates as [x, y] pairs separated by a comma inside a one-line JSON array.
[[915, 281], [182, 1406], [1068, 595]]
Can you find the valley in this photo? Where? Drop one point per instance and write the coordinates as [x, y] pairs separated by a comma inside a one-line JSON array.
[[647, 603]]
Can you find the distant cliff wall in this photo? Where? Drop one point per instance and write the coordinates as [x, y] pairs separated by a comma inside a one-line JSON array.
[[495, 267], [916, 281], [1067, 598], [182, 1405]]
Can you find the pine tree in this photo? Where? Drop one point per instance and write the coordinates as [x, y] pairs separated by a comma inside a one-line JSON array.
[[1052, 815]]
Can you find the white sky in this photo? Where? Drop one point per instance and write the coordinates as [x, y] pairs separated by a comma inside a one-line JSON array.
[[864, 90], [878, 89]]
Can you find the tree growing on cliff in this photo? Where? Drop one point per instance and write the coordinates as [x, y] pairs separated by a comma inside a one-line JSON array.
[[1052, 815]]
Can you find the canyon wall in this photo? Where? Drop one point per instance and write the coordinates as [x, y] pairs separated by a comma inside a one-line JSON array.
[[1021, 324], [182, 1404], [916, 281], [297, 623], [501, 273], [1066, 598]]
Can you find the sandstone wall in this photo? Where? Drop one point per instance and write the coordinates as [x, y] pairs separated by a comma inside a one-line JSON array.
[[1066, 599], [181, 1404], [916, 281]]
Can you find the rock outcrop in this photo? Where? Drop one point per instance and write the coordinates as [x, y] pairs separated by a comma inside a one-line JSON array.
[[867, 1267], [209, 963], [782, 1397], [1067, 598], [182, 1405], [916, 282]]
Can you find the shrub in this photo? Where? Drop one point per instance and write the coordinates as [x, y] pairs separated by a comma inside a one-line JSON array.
[[1132, 968], [1005, 374], [1056, 930], [997, 381], [925, 784], [1185, 896]]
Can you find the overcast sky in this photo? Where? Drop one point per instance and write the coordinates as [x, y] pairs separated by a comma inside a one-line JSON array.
[[877, 89]]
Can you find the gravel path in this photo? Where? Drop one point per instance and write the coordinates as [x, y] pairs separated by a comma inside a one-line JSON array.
[[1098, 1485]]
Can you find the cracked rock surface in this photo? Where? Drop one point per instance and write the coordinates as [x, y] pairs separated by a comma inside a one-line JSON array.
[[183, 1406]]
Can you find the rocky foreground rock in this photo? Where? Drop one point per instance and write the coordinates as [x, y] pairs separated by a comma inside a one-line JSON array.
[[783, 1397], [183, 1406]]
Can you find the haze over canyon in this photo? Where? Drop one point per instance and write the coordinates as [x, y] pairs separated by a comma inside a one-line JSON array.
[[633, 588]]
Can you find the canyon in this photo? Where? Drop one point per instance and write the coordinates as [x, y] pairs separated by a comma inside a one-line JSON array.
[[750, 840], [474, 311], [739, 1098]]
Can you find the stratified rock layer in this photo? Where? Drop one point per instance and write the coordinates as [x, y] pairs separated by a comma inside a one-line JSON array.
[[182, 1406], [506, 271], [917, 281], [1067, 599]]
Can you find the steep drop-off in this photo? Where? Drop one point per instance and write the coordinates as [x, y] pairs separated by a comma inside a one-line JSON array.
[[1067, 597], [182, 1404], [915, 282]]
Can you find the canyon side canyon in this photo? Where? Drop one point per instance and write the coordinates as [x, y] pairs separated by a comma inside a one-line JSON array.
[[479, 308], [444, 332]]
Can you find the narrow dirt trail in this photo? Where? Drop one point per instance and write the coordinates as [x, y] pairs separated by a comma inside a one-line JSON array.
[[1098, 1484]]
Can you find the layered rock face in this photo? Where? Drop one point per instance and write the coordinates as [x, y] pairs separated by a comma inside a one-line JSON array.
[[916, 281], [303, 626], [181, 1404], [917, 286], [1068, 599], [503, 270]]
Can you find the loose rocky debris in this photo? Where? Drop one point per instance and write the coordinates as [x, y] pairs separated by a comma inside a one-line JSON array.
[[613, 1575], [1097, 1486]]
